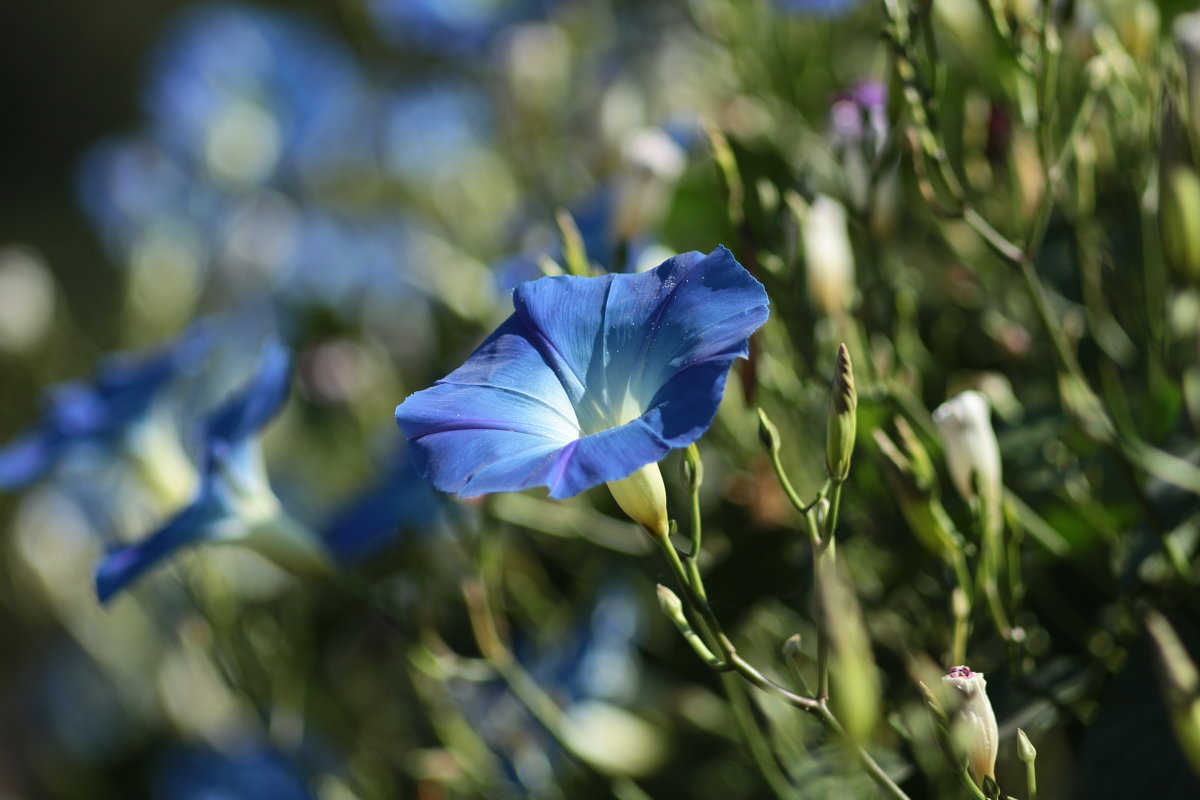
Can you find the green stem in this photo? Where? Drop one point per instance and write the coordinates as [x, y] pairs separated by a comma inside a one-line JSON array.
[[877, 773]]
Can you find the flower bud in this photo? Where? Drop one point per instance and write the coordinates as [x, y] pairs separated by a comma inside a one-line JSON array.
[[1177, 214], [975, 722], [693, 468], [1025, 749], [669, 602], [843, 418], [828, 257], [972, 452], [643, 496], [768, 434]]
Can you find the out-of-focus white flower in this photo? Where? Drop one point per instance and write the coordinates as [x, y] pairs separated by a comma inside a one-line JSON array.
[[828, 257], [975, 722], [651, 162], [972, 453], [27, 299]]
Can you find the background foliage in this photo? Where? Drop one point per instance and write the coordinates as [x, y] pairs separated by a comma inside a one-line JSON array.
[[1016, 192]]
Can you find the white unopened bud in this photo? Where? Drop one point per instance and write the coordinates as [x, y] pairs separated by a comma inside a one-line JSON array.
[[643, 496], [828, 257], [651, 162], [975, 722], [972, 452]]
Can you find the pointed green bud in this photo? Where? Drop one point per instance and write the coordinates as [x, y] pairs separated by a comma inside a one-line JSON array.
[[643, 496], [670, 603], [693, 468], [768, 434], [1025, 749], [793, 649], [843, 413], [672, 607]]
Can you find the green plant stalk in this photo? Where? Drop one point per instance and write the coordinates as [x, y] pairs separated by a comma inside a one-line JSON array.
[[1031, 779], [751, 675]]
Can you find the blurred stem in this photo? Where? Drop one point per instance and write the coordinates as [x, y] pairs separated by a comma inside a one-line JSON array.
[[752, 736], [522, 685], [877, 773]]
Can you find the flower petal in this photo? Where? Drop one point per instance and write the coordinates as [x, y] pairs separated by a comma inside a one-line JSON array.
[[26, 459], [248, 410], [123, 566]]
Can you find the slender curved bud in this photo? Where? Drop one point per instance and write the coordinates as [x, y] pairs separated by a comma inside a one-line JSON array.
[[972, 452], [910, 474], [843, 418], [643, 496], [1180, 682], [855, 695], [768, 434], [1177, 214], [1025, 749], [975, 722]]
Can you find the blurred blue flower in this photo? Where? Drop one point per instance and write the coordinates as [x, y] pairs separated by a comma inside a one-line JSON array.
[[595, 659], [234, 501], [116, 401], [590, 380], [199, 773], [823, 7], [254, 96], [400, 501], [449, 26]]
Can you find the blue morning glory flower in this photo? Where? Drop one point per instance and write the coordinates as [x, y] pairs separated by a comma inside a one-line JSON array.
[[234, 501], [118, 398], [589, 381]]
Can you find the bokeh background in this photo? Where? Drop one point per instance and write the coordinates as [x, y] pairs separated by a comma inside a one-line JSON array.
[[365, 180]]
